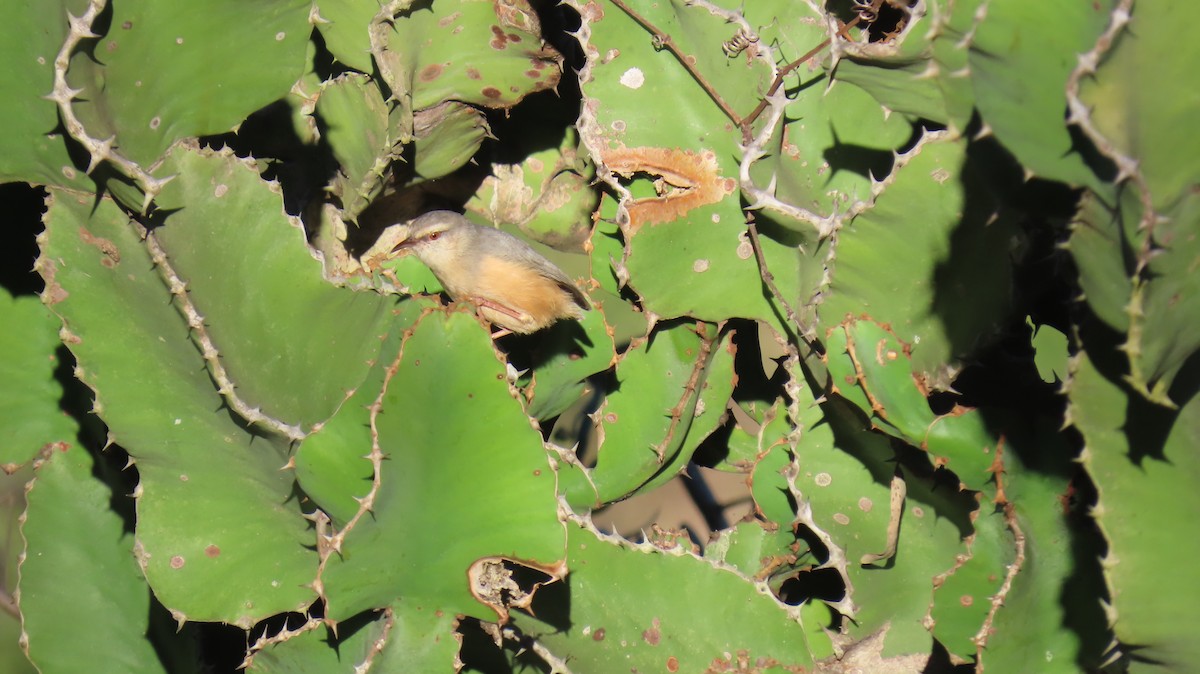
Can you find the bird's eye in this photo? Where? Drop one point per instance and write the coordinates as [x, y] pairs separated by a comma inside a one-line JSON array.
[[435, 236]]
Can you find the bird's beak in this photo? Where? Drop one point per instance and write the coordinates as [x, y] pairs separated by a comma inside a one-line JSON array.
[[404, 241]]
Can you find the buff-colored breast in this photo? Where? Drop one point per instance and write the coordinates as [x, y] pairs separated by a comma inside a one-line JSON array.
[[536, 299]]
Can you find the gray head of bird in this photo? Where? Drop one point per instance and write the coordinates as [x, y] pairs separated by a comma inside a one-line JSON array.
[[440, 239]]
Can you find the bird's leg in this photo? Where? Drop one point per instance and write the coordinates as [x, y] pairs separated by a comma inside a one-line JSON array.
[[481, 303], [486, 303]]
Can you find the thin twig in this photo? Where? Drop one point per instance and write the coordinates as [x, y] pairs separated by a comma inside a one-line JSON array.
[[997, 600], [662, 40], [784, 72], [768, 278], [899, 490], [689, 390], [380, 643]]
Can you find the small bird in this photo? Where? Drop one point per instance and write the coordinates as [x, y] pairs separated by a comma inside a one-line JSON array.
[[512, 285]]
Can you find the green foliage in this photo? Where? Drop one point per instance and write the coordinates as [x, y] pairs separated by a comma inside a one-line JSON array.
[[639, 436], [78, 539], [428, 459], [159, 402], [1143, 461], [29, 400], [670, 587], [31, 149], [851, 278], [125, 98], [1155, 205]]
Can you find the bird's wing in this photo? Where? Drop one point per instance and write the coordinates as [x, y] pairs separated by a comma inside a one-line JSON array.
[[524, 252]]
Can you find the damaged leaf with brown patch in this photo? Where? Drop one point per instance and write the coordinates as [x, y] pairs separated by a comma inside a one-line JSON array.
[[494, 583], [693, 179]]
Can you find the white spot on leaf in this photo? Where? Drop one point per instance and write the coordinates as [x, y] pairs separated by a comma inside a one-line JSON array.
[[745, 249], [633, 78]]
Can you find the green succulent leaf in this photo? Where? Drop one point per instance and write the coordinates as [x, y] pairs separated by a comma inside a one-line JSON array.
[[688, 254], [12, 505], [1164, 332], [477, 53], [566, 355], [212, 501], [29, 400], [1140, 120], [346, 32], [707, 414], [447, 136], [1051, 614], [365, 133], [1133, 124], [670, 588], [962, 599], [1101, 245], [1050, 352], [1021, 92], [318, 651], [871, 367], [1142, 459], [644, 423], [431, 462], [32, 148], [208, 86], [399, 638], [846, 476], [549, 194], [921, 71], [922, 258], [72, 541], [331, 463], [292, 344], [897, 84]]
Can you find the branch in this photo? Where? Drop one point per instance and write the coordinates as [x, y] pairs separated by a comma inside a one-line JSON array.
[[784, 72], [664, 41], [768, 278], [896, 512]]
